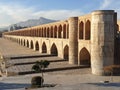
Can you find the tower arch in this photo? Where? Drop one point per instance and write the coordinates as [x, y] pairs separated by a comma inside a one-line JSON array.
[[64, 31], [81, 30], [84, 57], [87, 30]]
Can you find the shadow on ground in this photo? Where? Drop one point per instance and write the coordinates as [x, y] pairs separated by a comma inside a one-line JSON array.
[[106, 84], [4, 86]]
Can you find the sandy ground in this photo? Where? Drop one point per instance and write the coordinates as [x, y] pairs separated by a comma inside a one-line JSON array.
[[63, 80]]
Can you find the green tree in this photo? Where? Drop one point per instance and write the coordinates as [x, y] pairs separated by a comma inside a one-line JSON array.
[[40, 66]]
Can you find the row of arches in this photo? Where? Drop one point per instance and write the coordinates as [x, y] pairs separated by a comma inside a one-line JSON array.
[[53, 49], [84, 30], [56, 31], [84, 55]]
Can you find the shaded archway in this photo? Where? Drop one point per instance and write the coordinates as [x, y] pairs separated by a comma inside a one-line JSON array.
[[87, 30], [37, 46], [84, 57], [68, 31], [44, 48], [51, 32], [24, 43], [81, 28], [55, 32], [64, 31], [45, 32], [42, 31], [27, 43], [31, 45], [48, 32], [66, 52], [54, 50], [60, 31]]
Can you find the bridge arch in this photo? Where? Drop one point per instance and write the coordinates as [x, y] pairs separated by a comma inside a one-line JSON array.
[[81, 30], [55, 32], [24, 43], [51, 32], [42, 31], [31, 44], [87, 30], [64, 31], [27, 43], [48, 33], [67, 30], [84, 57], [66, 52], [37, 46], [54, 50], [45, 32], [60, 31], [44, 48]]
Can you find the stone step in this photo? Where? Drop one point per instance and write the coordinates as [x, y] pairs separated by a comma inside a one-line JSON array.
[[33, 60], [54, 66], [30, 56]]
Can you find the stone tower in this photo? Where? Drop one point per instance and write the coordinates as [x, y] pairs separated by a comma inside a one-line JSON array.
[[102, 40], [73, 40]]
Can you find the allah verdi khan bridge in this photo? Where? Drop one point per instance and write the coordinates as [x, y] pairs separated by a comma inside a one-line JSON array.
[[84, 40]]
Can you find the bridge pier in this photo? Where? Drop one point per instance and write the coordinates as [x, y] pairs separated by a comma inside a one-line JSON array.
[[73, 40], [102, 40]]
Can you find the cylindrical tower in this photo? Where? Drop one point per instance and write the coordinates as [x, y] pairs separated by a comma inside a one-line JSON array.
[[102, 40], [73, 40]]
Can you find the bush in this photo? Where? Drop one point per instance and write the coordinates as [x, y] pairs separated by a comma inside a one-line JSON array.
[[37, 81], [112, 69]]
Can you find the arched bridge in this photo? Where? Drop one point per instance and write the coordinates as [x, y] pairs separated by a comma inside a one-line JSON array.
[[82, 40]]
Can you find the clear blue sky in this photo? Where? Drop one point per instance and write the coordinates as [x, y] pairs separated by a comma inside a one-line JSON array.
[[12, 11]]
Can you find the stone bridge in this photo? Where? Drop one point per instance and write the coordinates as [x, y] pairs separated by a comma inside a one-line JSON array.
[[83, 40]]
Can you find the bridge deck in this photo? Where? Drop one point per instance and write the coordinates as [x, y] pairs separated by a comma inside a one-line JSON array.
[[20, 59], [9, 49]]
